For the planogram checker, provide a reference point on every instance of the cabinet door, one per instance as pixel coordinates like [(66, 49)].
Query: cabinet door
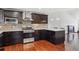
[(37, 35), (43, 34), (17, 37), (35, 18), (6, 38), (43, 18), (51, 36), (1, 16)]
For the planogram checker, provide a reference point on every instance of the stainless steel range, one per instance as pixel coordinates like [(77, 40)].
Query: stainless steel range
[(28, 35)]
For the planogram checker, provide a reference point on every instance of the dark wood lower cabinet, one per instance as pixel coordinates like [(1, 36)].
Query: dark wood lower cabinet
[(50, 36), (13, 37), (37, 35), (43, 34), (40, 35)]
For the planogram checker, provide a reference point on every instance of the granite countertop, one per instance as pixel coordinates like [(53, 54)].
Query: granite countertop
[(56, 29), (8, 30), (53, 29)]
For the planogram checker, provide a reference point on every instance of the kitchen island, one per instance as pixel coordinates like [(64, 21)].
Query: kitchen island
[(56, 36)]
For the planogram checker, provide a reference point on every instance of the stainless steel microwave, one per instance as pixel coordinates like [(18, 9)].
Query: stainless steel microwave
[(11, 20)]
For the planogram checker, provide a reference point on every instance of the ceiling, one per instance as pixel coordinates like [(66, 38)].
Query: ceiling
[(42, 10)]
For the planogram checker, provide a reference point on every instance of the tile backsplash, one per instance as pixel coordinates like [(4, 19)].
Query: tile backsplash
[(40, 26), (10, 27), (19, 26)]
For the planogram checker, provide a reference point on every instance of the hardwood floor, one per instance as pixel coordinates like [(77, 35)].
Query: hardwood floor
[(41, 45)]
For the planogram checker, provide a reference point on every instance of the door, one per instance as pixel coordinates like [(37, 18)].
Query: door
[(71, 29)]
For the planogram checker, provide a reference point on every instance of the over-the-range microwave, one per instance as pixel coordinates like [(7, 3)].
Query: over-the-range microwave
[(11, 20)]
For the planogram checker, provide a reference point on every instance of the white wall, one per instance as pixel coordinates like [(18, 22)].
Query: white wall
[(66, 18)]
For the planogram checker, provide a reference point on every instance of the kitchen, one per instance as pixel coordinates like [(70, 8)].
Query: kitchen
[(39, 29), (27, 26)]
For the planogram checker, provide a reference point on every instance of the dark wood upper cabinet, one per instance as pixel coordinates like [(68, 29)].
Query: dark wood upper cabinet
[(12, 14), (39, 18)]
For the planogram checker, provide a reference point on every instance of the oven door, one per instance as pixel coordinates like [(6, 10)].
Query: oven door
[(28, 37)]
